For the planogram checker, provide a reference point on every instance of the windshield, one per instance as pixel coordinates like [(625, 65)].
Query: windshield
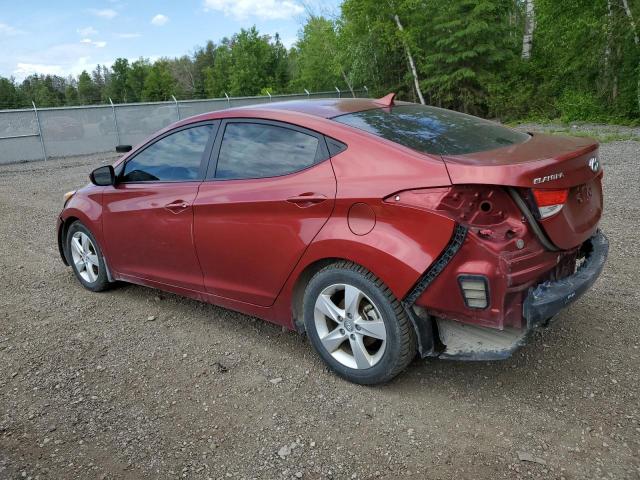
[(433, 130)]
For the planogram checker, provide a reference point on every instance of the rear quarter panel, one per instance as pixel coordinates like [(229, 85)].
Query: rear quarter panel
[(400, 242)]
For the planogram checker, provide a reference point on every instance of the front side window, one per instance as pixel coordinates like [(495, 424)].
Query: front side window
[(176, 157), (433, 130), (255, 150)]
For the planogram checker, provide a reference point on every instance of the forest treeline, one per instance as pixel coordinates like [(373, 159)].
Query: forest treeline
[(506, 59)]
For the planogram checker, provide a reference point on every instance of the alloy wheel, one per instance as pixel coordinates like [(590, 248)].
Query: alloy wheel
[(85, 257), (350, 326)]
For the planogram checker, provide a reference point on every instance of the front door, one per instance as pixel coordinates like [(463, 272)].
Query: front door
[(148, 214), (267, 197)]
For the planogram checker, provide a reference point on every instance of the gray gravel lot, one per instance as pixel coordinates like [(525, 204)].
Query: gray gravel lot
[(134, 383)]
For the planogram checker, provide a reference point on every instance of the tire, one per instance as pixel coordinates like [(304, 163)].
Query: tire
[(85, 258), (364, 337)]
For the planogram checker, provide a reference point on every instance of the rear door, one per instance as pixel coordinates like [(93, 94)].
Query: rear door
[(269, 190), (148, 214)]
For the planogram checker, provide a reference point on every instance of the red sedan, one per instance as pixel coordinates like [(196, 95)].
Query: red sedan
[(381, 229)]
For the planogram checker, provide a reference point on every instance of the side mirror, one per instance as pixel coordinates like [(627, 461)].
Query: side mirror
[(123, 148), (103, 176)]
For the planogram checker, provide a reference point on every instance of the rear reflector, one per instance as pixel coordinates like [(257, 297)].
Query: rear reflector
[(550, 202), (474, 290)]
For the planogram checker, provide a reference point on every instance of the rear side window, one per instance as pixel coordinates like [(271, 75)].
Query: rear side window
[(173, 158), (255, 150), (433, 130)]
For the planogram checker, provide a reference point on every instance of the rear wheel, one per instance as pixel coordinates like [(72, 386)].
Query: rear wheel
[(85, 258), (357, 325)]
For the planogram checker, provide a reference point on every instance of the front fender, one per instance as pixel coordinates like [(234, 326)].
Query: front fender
[(85, 206)]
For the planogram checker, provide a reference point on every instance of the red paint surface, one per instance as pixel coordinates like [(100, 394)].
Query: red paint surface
[(362, 218), (244, 244), (249, 237)]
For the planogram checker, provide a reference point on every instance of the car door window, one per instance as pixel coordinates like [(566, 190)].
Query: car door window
[(257, 150), (176, 157)]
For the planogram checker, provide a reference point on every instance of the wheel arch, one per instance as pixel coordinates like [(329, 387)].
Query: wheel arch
[(299, 287), (63, 228), (94, 226)]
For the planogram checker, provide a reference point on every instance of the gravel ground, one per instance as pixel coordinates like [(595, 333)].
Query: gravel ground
[(134, 383)]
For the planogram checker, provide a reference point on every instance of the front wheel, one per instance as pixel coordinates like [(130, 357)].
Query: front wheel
[(356, 324), (85, 258)]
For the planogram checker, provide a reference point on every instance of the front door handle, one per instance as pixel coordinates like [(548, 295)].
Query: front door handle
[(177, 206), (307, 199)]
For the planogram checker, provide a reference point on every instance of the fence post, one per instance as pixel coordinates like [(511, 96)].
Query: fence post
[(339, 94), (115, 121), (366, 90), (307, 92), (177, 106), (44, 150), (228, 100)]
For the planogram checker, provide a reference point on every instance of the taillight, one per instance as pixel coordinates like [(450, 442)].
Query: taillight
[(550, 202)]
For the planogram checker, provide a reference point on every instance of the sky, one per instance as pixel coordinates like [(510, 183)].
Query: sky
[(64, 37)]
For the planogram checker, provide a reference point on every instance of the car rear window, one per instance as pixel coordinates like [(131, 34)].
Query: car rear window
[(433, 130)]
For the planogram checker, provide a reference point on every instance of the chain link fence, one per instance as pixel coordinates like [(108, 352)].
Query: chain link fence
[(42, 133)]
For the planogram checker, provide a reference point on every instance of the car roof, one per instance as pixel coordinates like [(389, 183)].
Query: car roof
[(324, 107)]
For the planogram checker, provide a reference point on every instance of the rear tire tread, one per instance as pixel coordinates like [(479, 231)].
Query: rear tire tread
[(408, 341)]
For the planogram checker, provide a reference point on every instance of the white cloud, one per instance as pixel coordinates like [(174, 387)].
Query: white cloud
[(98, 44), (159, 20), (107, 13), (9, 31), (87, 31), (264, 9), (127, 35), (25, 69), (62, 59)]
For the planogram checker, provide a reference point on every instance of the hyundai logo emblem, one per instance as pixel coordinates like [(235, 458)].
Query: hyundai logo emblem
[(594, 164)]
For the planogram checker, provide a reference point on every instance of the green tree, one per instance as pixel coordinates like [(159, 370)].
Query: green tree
[(469, 46), (280, 66), (9, 94), (317, 66), (249, 71), (119, 89), (370, 49), (88, 91), (203, 59), (159, 84), (136, 78)]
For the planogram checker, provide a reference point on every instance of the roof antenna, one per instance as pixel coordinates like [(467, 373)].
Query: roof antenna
[(387, 100)]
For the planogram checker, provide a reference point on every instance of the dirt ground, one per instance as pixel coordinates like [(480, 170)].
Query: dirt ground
[(134, 383)]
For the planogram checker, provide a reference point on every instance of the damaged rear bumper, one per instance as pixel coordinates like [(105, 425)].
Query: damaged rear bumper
[(547, 299), (472, 342)]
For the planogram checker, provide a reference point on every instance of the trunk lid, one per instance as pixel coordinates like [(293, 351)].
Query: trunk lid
[(543, 162)]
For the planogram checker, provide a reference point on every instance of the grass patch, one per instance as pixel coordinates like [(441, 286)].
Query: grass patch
[(602, 137)]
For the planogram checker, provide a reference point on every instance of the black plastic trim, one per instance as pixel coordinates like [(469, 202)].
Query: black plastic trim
[(535, 226), (457, 239), (423, 327), (548, 298), (335, 146)]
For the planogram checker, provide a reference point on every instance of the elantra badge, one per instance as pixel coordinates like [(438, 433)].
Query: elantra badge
[(594, 164), (548, 178)]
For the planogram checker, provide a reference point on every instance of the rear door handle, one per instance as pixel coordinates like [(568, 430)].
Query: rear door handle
[(307, 199), (177, 206)]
